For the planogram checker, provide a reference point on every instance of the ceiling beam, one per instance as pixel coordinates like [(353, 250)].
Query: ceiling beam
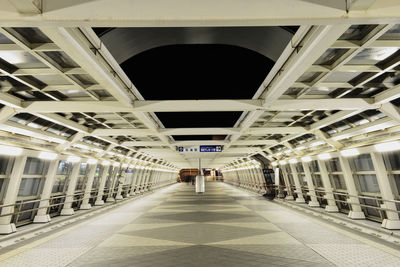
[(199, 105), (196, 13), (197, 131)]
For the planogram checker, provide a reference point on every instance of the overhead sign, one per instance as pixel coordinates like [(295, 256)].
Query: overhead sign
[(210, 148), (188, 149), (197, 149)]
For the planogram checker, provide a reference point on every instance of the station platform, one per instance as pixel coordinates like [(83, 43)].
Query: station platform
[(226, 226)]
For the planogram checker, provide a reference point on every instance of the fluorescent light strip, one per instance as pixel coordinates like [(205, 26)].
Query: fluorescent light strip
[(73, 159), (324, 156), (10, 150), (47, 155), (92, 161), (350, 152), (385, 147)]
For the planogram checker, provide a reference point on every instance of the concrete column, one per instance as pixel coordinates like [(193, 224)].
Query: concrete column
[(331, 207), (114, 177), (392, 222), (142, 182), (41, 215), (132, 191), (67, 210), (277, 171), (256, 182), (139, 180), (147, 180), (128, 181), (85, 203), (314, 202), (103, 179), (120, 185), (6, 227), (289, 195), (356, 211), (299, 191)]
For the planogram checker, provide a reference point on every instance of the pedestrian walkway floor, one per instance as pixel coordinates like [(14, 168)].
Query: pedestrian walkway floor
[(225, 226)]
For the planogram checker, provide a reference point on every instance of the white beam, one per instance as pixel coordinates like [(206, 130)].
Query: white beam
[(130, 132), (254, 142), (199, 105), (377, 125), (10, 100), (76, 45), (198, 131), (276, 130), (142, 13), (199, 143), (316, 42), (27, 6), (391, 111), (143, 143)]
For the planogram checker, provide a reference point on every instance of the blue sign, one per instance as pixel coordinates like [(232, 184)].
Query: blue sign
[(180, 149), (210, 148)]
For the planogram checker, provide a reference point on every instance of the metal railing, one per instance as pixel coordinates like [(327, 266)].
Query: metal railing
[(321, 194)]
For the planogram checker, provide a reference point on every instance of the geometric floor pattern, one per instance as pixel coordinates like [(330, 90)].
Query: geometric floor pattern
[(223, 227)]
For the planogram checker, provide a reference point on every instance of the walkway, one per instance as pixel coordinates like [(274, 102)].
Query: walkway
[(224, 227)]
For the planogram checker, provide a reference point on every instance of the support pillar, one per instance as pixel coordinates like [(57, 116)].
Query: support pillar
[(103, 179), (311, 188), (114, 177), (120, 185), (88, 189), (392, 222), (331, 207), (67, 209), (299, 191), (6, 227), (289, 195), (42, 216), (356, 211)]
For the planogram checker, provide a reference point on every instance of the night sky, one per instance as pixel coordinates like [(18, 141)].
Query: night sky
[(205, 71)]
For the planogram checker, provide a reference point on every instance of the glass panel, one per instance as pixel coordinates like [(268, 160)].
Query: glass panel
[(3, 164), (29, 187), (34, 166), (62, 168), (299, 167), (337, 181), (83, 168), (362, 163), (80, 185), (368, 183), (314, 166), (334, 165), (396, 178), (393, 161), (317, 180), (58, 185)]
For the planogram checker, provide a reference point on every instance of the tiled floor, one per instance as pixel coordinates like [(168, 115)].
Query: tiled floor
[(224, 227)]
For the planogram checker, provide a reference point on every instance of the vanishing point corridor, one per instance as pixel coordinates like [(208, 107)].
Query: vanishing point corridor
[(225, 226)]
